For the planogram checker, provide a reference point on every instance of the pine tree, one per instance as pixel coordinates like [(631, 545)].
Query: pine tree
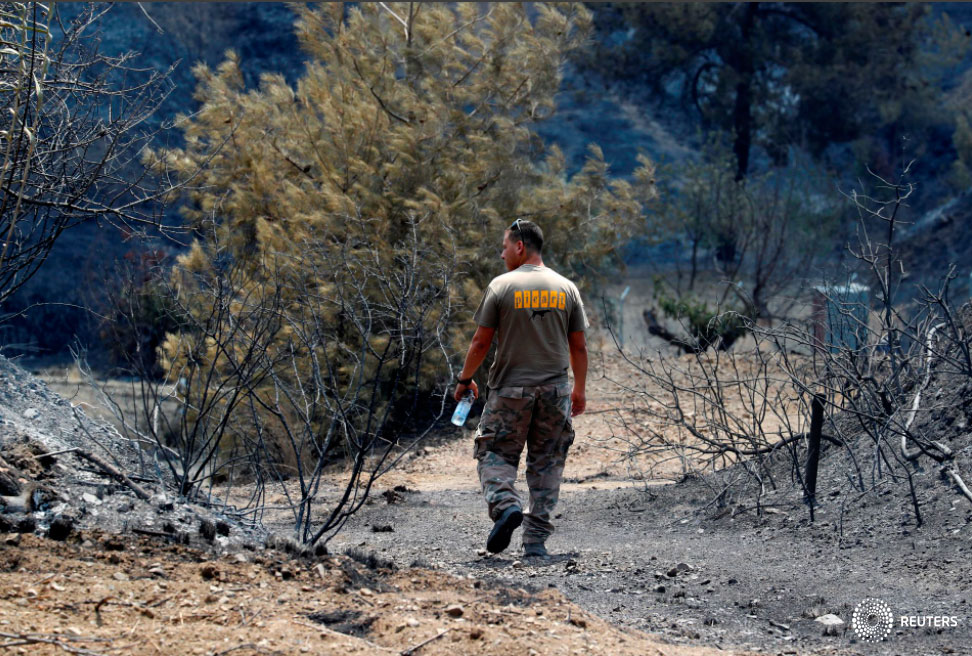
[(366, 205)]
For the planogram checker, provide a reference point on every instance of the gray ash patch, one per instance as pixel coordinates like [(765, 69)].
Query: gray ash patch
[(48, 488)]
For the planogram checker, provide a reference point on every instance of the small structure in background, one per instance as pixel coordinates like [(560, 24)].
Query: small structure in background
[(624, 295), (840, 316), (616, 306)]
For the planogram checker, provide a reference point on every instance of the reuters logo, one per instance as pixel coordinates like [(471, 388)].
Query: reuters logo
[(872, 620)]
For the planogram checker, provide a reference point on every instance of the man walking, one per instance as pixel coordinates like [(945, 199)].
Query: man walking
[(539, 321)]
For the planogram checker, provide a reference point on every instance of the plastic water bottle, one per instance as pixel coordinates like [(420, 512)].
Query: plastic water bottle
[(462, 410)]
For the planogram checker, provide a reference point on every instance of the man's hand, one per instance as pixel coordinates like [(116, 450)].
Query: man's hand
[(578, 402), (461, 390)]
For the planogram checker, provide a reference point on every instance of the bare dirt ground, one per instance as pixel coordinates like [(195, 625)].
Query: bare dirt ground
[(96, 595)]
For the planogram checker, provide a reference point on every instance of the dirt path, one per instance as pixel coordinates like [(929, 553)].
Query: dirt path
[(753, 583)]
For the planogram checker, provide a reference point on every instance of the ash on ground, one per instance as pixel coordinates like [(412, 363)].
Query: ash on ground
[(59, 477)]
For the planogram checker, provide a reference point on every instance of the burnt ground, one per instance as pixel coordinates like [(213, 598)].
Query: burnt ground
[(750, 578), (753, 582)]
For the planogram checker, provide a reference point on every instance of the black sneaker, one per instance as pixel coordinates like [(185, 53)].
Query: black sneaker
[(535, 550), (499, 537)]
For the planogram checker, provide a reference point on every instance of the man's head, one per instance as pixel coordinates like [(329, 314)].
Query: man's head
[(521, 241)]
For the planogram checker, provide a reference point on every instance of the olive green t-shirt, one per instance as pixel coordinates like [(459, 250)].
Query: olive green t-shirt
[(532, 308)]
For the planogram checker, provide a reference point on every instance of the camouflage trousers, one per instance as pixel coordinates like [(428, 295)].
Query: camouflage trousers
[(538, 417)]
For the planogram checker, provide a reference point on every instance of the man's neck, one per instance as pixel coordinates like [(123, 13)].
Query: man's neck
[(535, 260)]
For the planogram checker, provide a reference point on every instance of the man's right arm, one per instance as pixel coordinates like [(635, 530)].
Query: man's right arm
[(478, 349), (578, 364), (487, 318)]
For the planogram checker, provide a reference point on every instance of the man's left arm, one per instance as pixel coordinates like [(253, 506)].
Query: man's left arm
[(478, 349), (578, 364)]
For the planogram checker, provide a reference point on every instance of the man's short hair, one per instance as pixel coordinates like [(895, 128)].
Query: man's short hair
[(529, 233)]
